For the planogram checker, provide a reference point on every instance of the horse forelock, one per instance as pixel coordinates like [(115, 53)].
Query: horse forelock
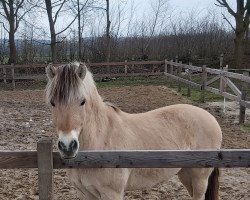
[(67, 86)]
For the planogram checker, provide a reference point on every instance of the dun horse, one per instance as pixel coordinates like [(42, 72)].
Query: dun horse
[(84, 121)]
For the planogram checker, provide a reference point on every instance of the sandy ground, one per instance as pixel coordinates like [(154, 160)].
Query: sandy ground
[(24, 118)]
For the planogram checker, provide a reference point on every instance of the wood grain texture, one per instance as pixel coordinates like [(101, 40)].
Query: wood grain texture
[(160, 159), (45, 169), (134, 159), (18, 159)]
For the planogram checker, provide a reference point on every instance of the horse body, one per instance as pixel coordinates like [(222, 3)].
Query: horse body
[(101, 126)]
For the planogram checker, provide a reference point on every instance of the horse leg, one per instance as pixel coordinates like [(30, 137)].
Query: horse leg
[(185, 178), (199, 179), (109, 194), (84, 194)]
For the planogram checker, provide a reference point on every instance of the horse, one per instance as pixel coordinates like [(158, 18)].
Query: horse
[(83, 121)]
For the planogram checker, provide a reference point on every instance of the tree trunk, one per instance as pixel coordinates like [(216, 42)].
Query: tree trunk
[(108, 32), (239, 51), (12, 45), (239, 42), (53, 47), (79, 31), (52, 30), (247, 46)]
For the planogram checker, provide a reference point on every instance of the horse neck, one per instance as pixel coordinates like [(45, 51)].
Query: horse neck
[(94, 128)]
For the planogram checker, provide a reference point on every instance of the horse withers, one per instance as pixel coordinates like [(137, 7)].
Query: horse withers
[(84, 121)]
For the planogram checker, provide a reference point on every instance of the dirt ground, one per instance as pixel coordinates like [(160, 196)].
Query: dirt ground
[(24, 118)]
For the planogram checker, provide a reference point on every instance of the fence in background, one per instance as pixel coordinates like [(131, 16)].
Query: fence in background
[(46, 160), (9, 72), (175, 70)]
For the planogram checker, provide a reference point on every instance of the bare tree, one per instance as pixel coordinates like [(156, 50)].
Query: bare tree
[(242, 19), (14, 12), (80, 8), (53, 10), (108, 31)]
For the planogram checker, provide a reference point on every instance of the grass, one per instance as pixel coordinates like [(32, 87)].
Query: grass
[(159, 80), (135, 81), (246, 126), (126, 81)]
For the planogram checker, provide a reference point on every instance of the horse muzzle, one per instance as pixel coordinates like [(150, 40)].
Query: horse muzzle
[(70, 150)]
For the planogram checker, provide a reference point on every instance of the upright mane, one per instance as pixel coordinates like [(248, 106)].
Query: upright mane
[(68, 83)]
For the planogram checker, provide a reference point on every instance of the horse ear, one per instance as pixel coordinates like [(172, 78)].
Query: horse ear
[(81, 70), (50, 71)]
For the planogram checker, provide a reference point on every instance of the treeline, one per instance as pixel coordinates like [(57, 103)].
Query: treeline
[(97, 31)]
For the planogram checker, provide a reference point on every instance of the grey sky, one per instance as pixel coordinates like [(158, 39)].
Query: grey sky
[(143, 11)]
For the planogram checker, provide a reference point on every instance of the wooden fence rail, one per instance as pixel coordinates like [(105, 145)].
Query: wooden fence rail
[(46, 160), (13, 77), (222, 75), (173, 70), (225, 158)]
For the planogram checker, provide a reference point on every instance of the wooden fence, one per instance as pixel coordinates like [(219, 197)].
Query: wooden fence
[(173, 70), (13, 76), (46, 160)]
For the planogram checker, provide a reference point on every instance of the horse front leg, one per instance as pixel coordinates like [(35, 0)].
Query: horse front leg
[(110, 194), (85, 195)]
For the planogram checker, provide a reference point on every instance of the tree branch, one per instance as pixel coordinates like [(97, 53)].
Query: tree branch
[(247, 16), (224, 17), (5, 9), (4, 16), (19, 5), (57, 12), (71, 22), (224, 3), (4, 27), (67, 26)]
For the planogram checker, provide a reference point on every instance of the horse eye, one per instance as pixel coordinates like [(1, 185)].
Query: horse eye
[(82, 103), (52, 103)]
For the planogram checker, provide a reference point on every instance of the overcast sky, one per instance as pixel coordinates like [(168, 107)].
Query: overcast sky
[(143, 10)]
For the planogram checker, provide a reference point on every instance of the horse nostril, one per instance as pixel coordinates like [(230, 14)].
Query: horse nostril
[(73, 145), (61, 146)]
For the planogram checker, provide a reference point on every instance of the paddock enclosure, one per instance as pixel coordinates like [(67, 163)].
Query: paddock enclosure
[(25, 119)]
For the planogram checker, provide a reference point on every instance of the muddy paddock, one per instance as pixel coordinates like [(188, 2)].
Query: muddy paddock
[(24, 118)]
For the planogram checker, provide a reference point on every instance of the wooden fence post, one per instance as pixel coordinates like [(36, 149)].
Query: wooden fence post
[(13, 76), (4, 75), (222, 82), (203, 84), (175, 68), (243, 97), (171, 67), (45, 169), (179, 69), (221, 61), (166, 70), (133, 70), (190, 79), (176, 59), (126, 68)]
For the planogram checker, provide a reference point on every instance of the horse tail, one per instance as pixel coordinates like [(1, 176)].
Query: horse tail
[(212, 192)]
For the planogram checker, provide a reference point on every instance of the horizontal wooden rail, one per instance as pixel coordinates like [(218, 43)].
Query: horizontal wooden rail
[(246, 104), (128, 74), (126, 63), (104, 64), (225, 158), (229, 74), (193, 84)]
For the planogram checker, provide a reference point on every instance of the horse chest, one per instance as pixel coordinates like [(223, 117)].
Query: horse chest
[(146, 178)]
